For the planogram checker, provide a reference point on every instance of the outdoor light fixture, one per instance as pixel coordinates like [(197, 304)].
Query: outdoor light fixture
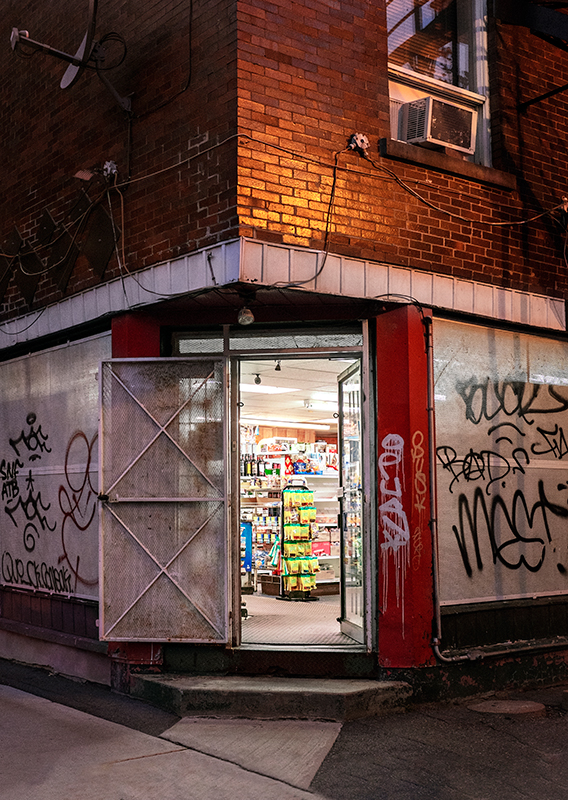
[(245, 317), (277, 368), (257, 379)]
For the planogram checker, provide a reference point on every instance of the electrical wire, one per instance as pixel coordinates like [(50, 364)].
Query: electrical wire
[(80, 222), (452, 214), (328, 218), (122, 264), (390, 175), (23, 330), (378, 167), (109, 37)]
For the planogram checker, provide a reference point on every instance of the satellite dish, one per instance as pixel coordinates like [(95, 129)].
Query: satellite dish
[(83, 53), (88, 51)]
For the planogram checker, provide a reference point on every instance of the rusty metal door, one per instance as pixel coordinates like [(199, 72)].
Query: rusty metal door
[(163, 479)]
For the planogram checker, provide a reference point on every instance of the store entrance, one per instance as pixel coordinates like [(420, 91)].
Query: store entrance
[(300, 501)]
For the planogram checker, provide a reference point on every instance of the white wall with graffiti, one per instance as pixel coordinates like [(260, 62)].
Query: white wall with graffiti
[(501, 402), (48, 468)]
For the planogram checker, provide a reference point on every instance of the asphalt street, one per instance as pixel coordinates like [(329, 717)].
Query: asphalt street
[(67, 739)]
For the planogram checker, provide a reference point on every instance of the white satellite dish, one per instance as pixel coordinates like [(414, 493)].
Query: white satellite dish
[(88, 51), (84, 52)]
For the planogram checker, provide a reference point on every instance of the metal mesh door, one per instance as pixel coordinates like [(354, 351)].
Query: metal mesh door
[(163, 485)]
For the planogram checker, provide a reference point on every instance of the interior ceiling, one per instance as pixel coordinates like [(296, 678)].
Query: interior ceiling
[(314, 385)]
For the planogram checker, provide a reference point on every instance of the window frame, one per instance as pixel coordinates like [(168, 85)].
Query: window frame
[(406, 85)]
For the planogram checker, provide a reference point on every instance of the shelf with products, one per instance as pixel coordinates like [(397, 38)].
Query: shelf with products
[(266, 466), (329, 570)]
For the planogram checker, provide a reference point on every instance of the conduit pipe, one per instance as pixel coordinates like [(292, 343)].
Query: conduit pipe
[(479, 653)]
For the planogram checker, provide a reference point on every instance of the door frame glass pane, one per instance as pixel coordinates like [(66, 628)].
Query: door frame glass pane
[(350, 442)]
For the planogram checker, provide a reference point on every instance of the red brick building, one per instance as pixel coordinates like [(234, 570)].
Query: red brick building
[(253, 247)]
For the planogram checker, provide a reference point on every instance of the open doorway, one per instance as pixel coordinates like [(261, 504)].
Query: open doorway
[(300, 501)]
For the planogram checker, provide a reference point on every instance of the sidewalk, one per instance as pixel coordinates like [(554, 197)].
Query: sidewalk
[(54, 752), (71, 740)]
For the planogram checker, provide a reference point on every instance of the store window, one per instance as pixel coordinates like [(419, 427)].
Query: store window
[(501, 403), (49, 463), (437, 49)]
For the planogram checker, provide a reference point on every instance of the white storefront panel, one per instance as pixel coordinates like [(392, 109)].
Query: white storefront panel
[(49, 467), (502, 463)]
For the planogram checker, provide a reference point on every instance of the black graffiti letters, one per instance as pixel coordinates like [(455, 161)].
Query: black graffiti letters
[(485, 465), (507, 528), (554, 443), (34, 441), (32, 507), (485, 400), (38, 575), (507, 499), (9, 475), (31, 518)]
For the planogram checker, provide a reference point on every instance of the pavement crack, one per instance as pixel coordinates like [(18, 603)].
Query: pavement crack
[(149, 755)]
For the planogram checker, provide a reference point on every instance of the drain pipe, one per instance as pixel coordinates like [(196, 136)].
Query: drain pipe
[(437, 638)]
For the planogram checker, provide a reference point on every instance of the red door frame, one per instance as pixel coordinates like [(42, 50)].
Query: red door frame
[(406, 607)]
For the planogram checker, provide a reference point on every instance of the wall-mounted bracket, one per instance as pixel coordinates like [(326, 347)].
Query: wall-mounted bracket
[(88, 54)]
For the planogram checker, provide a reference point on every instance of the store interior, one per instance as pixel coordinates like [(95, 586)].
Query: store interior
[(289, 508)]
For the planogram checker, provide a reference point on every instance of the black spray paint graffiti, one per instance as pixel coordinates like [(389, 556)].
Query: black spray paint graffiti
[(9, 471), (516, 550), (38, 575), (33, 508), (33, 440), (487, 399), (28, 510), (516, 523)]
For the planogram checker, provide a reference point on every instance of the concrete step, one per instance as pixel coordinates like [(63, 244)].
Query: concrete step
[(262, 697)]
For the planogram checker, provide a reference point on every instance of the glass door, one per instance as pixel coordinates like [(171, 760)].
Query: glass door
[(351, 503)]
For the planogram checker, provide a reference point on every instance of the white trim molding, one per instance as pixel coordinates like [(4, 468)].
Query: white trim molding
[(264, 264)]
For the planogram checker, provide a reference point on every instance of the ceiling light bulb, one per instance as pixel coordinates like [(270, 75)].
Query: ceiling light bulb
[(245, 317)]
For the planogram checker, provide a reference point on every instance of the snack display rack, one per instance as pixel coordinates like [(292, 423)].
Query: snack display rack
[(298, 565)]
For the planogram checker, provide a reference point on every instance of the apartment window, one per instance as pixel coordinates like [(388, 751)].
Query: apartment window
[(437, 49)]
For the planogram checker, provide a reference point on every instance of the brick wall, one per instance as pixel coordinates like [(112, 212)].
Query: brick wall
[(307, 87), (180, 70), (295, 79)]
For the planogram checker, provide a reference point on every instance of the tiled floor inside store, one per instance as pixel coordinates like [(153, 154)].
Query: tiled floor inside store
[(274, 621)]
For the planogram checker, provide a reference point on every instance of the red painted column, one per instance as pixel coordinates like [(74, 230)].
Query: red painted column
[(135, 336), (406, 608)]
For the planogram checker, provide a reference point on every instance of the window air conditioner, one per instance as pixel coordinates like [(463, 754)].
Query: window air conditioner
[(438, 122)]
